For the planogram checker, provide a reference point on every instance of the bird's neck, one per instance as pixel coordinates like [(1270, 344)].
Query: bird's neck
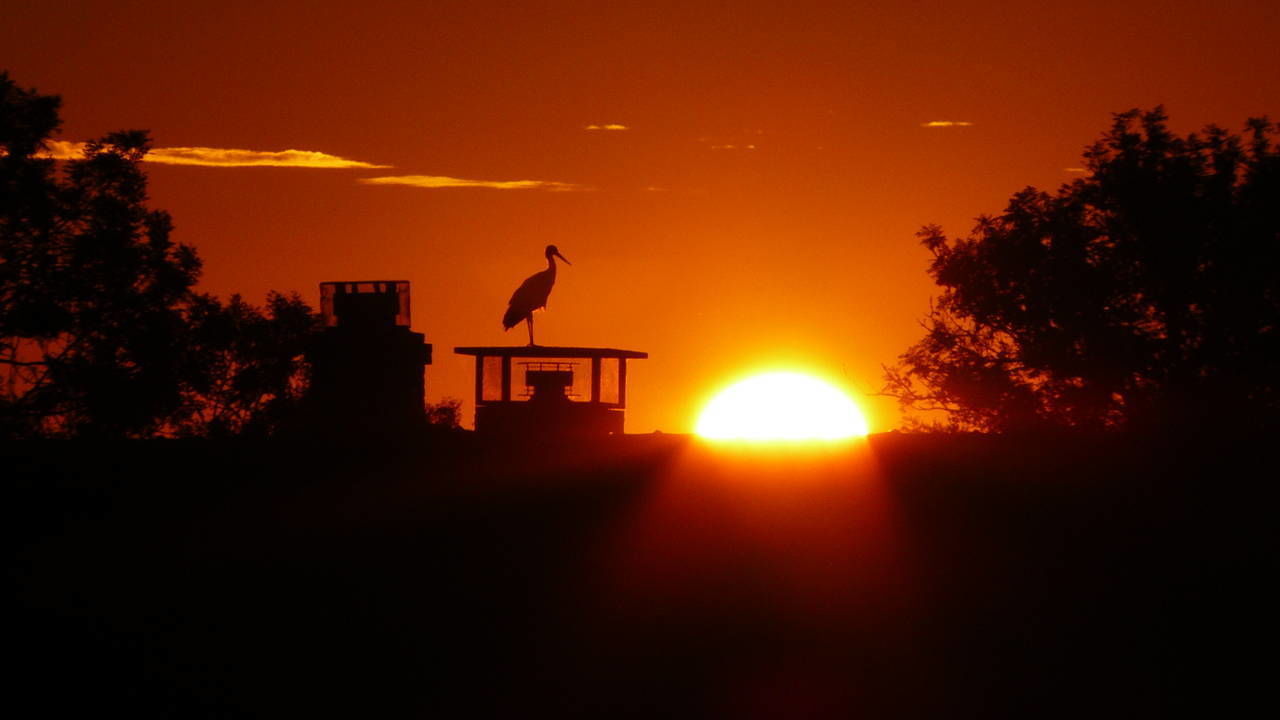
[(551, 263)]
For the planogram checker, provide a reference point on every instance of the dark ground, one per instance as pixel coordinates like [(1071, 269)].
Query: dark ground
[(924, 576)]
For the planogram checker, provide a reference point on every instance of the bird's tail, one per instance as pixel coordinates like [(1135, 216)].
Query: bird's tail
[(511, 319)]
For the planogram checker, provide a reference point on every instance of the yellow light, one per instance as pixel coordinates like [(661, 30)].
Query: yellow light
[(781, 406)]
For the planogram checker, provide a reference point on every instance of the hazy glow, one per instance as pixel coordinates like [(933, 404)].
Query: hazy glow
[(443, 181), (946, 123), (781, 406), (221, 157), (608, 126)]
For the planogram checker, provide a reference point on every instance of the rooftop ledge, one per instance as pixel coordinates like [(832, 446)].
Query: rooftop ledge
[(550, 351)]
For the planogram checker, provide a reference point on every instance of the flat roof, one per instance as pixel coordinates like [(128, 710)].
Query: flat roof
[(549, 351)]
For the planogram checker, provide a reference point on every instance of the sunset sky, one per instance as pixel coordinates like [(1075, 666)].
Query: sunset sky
[(737, 184)]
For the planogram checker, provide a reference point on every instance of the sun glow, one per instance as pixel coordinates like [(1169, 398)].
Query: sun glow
[(781, 406)]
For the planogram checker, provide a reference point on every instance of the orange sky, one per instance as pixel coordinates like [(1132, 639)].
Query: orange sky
[(757, 210)]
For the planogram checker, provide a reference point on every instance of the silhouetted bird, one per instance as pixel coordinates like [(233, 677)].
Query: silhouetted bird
[(532, 294)]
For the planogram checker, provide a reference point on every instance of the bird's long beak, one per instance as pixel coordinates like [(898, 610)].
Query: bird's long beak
[(565, 259)]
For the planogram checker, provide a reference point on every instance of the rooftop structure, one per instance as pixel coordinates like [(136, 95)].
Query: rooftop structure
[(367, 366), (522, 391)]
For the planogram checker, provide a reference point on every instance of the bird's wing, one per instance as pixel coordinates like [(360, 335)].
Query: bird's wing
[(531, 295), (534, 289), (512, 318), (523, 291)]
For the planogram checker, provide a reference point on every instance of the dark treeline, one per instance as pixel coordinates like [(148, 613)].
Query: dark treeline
[(101, 331), (1146, 293)]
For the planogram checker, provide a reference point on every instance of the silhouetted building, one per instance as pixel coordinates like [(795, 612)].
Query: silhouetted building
[(367, 366), (523, 391)]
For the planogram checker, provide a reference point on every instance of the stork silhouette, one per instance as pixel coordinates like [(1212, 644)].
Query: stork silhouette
[(532, 294)]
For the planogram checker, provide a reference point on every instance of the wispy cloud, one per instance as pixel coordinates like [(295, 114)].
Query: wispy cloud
[(63, 150), (1075, 170), (732, 147), (223, 157), (946, 123), (443, 181), (608, 126)]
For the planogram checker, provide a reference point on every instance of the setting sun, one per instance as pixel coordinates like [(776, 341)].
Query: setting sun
[(781, 406)]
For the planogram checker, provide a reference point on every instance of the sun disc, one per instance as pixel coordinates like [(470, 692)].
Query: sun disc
[(781, 406)]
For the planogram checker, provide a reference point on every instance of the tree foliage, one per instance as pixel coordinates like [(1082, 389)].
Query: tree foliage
[(446, 414), (91, 286), (101, 333), (247, 375), (1146, 292)]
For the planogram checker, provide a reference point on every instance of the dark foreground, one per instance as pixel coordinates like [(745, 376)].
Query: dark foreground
[(648, 576)]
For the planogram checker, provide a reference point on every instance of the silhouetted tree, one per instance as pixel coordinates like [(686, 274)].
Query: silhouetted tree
[(1146, 292), (245, 372), (100, 331), (446, 414), (91, 287)]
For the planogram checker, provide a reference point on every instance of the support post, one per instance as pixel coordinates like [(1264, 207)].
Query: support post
[(506, 378), (595, 380), (622, 382)]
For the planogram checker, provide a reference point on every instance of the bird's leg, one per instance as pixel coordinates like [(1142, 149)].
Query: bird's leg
[(529, 322)]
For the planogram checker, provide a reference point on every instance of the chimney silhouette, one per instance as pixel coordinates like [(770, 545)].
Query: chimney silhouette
[(367, 366)]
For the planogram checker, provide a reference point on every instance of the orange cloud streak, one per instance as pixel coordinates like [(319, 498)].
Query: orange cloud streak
[(222, 157), (442, 181)]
